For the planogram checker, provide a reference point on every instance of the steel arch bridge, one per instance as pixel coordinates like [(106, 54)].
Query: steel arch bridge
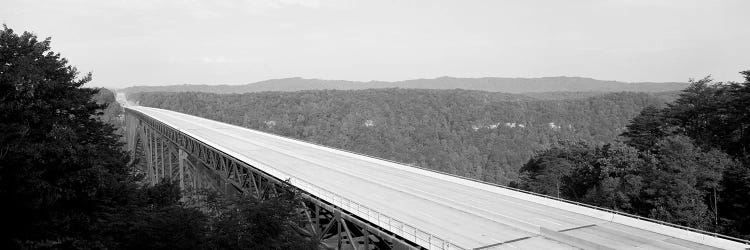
[(169, 154), (360, 202)]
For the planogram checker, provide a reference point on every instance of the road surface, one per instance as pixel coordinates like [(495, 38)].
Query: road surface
[(467, 214)]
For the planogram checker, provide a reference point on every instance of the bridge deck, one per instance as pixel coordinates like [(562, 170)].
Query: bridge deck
[(469, 215)]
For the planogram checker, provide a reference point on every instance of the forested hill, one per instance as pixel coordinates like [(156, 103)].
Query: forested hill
[(472, 133), (492, 84)]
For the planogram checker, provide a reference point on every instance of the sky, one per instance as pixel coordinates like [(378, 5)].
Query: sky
[(164, 42)]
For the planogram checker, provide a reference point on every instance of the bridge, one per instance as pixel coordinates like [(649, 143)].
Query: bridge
[(353, 201)]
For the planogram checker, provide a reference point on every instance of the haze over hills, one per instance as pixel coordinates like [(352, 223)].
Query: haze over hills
[(492, 84)]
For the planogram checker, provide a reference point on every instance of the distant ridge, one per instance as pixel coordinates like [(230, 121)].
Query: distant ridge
[(492, 84)]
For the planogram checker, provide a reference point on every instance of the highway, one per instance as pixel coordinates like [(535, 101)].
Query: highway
[(468, 214)]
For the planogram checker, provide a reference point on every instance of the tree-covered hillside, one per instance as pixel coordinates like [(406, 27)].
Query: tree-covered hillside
[(476, 134)]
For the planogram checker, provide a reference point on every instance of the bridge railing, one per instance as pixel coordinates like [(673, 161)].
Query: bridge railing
[(382, 220), (614, 212), (703, 232)]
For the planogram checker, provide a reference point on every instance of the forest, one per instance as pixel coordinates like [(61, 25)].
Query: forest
[(482, 135), (686, 163)]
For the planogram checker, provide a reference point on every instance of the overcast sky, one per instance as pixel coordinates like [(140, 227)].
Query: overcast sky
[(154, 42)]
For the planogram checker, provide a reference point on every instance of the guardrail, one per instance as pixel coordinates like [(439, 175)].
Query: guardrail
[(420, 237), (707, 233)]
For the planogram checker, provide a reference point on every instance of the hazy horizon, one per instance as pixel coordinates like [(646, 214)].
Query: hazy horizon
[(168, 42), (393, 81)]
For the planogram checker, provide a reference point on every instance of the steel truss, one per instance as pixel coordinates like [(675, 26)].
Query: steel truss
[(172, 155)]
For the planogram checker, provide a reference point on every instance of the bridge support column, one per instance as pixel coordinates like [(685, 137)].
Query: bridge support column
[(169, 162), (155, 159), (337, 218), (149, 155), (153, 170), (181, 159), (366, 238), (160, 153), (161, 156)]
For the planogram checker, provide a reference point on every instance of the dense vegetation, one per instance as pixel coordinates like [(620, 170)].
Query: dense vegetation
[(65, 182), (476, 134), (687, 163)]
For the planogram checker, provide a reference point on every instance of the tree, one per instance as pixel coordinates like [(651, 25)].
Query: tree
[(56, 158), (674, 180), (64, 179), (736, 183), (733, 201), (151, 218), (681, 185), (248, 223), (715, 116), (646, 128), (700, 111), (620, 181), (562, 171)]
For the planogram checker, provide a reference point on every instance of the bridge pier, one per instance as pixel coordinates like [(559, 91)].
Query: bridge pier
[(181, 159)]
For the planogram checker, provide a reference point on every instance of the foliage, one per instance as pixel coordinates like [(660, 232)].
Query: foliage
[(64, 178), (248, 223), (56, 158), (672, 181), (113, 113), (686, 163), (555, 172), (646, 129), (482, 135), (717, 115), (679, 187)]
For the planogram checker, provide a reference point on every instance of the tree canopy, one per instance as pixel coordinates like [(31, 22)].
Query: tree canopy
[(685, 163), (57, 159), (65, 182)]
